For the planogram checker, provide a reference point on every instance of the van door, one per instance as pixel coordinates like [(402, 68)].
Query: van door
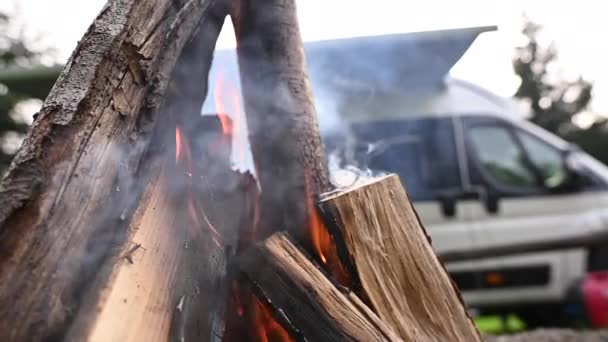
[(529, 177), (423, 153)]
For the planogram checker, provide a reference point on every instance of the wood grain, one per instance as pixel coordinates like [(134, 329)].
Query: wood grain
[(312, 304), (398, 270), (67, 199), (282, 120)]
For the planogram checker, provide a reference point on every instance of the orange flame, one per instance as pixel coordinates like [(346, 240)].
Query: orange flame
[(194, 214), (227, 99), (321, 239), (178, 143), (239, 124), (268, 329), (220, 108), (226, 123), (183, 151), (237, 298)]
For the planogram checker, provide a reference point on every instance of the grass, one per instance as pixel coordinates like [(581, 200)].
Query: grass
[(497, 325)]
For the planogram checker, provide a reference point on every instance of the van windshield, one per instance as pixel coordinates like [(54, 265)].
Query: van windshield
[(421, 151)]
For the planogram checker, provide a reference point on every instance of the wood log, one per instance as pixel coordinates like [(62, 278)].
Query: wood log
[(171, 259), (63, 222), (283, 129), (282, 121), (306, 301), (398, 271)]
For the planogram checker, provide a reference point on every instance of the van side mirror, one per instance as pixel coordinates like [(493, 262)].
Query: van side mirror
[(448, 206), (448, 199), (491, 203), (574, 177)]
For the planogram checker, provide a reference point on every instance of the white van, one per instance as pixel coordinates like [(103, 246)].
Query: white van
[(480, 175)]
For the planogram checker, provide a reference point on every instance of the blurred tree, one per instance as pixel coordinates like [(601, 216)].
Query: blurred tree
[(13, 54), (555, 101)]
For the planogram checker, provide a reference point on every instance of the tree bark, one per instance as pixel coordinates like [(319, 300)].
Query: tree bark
[(398, 270), (67, 200), (171, 259), (314, 308), (282, 121)]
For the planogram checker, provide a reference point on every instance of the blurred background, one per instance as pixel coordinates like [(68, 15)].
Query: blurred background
[(562, 41), (548, 56)]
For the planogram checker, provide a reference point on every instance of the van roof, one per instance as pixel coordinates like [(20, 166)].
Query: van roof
[(389, 61), (455, 98), (386, 62)]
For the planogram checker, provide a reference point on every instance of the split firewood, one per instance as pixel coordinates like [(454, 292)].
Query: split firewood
[(399, 273), (183, 234), (304, 299)]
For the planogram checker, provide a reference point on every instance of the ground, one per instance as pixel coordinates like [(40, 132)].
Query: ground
[(553, 335)]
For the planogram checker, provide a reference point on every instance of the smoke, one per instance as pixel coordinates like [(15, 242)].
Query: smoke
[(349, 175)]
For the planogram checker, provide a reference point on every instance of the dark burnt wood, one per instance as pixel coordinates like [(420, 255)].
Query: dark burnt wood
[(304, 299)]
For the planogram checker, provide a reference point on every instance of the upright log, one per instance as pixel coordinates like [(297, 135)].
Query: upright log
[(314, 308), (283, 127), (399, 273), (67, 200)]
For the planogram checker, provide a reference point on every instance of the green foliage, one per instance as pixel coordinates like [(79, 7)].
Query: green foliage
[(13, 53), (495, 325), (555, 101)]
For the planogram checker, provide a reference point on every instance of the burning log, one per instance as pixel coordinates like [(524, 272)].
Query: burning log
[(98, 241), (283, 127), (398, 271), (287, 150), (78, 241), (306, 301), (182, 234)]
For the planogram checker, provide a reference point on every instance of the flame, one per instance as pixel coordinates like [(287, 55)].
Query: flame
[(226, 123), (253, 320), (226, 96), (194, 214), (239, 124), (267, 327), (220, 108), (217, 94), (197, 213), (237, 298), (178, 143), (321, 239)]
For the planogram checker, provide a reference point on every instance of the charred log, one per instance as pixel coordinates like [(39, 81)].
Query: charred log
[(305, 299), (67, 203), (283, 127)]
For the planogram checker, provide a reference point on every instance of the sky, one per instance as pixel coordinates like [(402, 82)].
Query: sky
[(574, 26)]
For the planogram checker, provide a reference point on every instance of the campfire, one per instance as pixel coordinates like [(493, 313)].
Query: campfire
[(125, 218)]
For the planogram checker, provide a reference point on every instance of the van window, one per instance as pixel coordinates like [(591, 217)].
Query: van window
[(547, 159), (422, 152), (501, 156)]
